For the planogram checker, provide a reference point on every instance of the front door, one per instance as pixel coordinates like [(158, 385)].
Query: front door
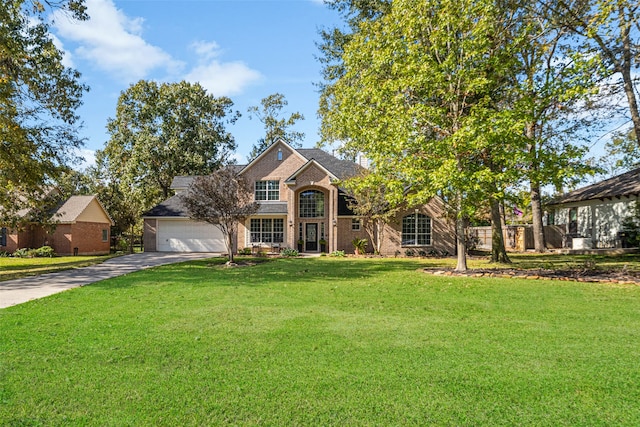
[(311, 240)]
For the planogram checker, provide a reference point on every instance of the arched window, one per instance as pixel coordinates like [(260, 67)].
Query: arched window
[(416, 230), (311, 204)]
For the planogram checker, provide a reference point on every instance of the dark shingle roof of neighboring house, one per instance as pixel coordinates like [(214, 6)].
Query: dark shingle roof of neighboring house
[(342, 169), (626, 184)]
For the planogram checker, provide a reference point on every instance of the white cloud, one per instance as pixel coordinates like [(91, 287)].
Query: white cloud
[(219, 78), (223, 79), (87, 158), (113, 42)]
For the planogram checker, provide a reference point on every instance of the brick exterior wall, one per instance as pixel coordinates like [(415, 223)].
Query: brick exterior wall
[(442, 232), (149, 235), (86, 236)]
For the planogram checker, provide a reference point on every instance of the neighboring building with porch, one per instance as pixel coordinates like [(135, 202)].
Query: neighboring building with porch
[(592, 216), (300, 201)]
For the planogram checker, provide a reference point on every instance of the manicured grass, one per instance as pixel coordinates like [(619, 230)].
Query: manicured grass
[(322, 342), (551, 261), (15, 268)]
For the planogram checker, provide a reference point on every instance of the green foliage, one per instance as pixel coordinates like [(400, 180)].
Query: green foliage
[(337, 254), (360, 245), (244, 251), (44, 251), (289, 252), (39, 97), (623, 152), (275, 127), (376, 200), (161, 131), (41, 252), (21, 253)]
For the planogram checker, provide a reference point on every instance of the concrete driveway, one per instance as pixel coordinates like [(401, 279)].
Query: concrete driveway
[(17, 291)]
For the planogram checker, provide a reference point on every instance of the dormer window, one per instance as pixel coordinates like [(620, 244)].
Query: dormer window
[(279, 154), (267, 190)]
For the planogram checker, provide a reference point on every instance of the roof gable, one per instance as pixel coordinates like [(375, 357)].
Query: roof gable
[(279, 144), (81, 208)]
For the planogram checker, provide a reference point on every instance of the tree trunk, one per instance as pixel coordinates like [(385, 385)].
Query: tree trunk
[(379, 235), (633, 103), (536, 209), (461, 244), (536, 201), (498, 250)]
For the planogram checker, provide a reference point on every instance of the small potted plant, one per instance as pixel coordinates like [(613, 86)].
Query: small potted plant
[(323, 245), (300, 245)]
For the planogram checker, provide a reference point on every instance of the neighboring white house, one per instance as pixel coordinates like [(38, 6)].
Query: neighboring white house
[(592, 216)]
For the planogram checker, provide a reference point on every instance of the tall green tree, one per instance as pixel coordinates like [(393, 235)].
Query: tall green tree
[(276, 127), (416, 97), (610, 31), (164, 130), (554, 90), (38, 101)]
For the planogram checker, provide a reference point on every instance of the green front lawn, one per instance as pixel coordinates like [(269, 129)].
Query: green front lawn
[(322, 341), (15, 268)]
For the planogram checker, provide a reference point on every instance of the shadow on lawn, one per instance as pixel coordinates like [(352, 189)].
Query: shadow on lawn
[(263, 271)]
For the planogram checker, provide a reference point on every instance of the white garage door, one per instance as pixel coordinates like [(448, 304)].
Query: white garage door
[(189, 236)]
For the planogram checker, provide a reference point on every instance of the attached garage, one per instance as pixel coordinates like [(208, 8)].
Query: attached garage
[(184, 235)]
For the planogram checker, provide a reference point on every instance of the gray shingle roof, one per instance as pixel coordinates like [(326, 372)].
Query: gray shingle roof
[(626, 184), (272, 208), (342, 169), (172, 207), (71, 209)]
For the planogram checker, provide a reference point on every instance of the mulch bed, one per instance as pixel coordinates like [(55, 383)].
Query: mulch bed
[(592, 276)]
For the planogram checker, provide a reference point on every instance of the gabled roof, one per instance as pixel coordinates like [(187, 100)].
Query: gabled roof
[(341, 169), (71, 209), (626, 184), (268, 149)]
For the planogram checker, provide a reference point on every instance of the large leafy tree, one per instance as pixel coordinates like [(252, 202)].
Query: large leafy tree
[(610, 31), (553, 91), (276, 127), (38, 100), (164, 130), (223, 199), (417, 96)]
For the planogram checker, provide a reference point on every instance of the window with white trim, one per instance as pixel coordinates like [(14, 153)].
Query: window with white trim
[(267, 230), (356, 224), (267, 190), (416, 230), (311, 204)]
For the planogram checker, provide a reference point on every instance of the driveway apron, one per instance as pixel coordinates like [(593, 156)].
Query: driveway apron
[(17, 291)]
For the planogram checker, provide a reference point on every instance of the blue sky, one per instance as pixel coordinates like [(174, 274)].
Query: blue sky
[(243, 49)]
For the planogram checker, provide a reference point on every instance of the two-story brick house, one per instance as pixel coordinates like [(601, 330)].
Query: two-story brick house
[(300, 201)]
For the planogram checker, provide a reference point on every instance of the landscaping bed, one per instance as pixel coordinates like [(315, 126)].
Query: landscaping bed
[(594, 276)]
